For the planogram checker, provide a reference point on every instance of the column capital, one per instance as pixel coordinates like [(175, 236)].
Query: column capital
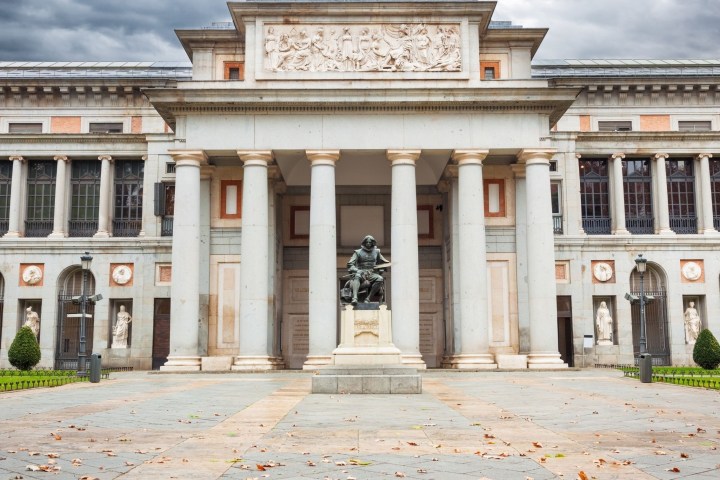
[(469, 157), (518, 170), (61, 158), (403, 157), (207, 172), (256, 157), (530, 156), (19, 158), (664, 156), (188, 157), (621, 156), (700, 156), (108, 158), (323, 157)]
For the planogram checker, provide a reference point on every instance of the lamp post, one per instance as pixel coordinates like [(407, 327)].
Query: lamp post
[(85, 263), (645, 360)]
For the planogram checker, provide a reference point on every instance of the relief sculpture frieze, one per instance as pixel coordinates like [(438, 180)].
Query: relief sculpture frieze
[(362, 48)]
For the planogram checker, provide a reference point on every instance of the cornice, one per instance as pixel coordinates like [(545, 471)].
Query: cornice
[(82, 139), (647, 136)]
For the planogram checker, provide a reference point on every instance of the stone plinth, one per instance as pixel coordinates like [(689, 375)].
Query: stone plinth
[(388, 379), (216, 364), (366, 338), (511, 361)]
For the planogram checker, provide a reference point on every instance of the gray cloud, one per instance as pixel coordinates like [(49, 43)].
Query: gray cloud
[(142, 30)]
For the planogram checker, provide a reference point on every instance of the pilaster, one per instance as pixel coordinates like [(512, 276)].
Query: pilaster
[(16, 191), (618, 196), (663, 213), (708, 223), (104, 200), (61, 193)]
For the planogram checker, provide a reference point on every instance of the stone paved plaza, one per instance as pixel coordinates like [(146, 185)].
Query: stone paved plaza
[(485, 425)]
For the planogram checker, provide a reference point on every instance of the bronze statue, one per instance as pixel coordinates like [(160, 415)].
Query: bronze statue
[(366, 267)]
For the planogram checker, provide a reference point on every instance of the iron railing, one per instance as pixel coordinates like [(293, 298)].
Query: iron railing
[(683, 225), (126, 228), (597, 226), (166, 227), (82, 228), (640, 225), (657, 336), (557, 224), (716, 222), (38, 228)]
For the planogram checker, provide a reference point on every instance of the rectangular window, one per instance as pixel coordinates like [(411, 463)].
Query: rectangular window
[(695, 126), (5, 188), (615, 126), (40, 198), (637, 188), (25, 128), (556, 202), (594, 196), (128, 203), (234, 71), (105, 127), (165, 207), (681, 195), (715, 190), (489, 70), (230, 199), (85, 198), (494, 197)]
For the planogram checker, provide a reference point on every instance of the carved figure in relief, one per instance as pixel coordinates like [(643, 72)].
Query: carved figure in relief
[(121, 328), (693, 323), (347, 52), (366, 267), (604, 323), (271, 49), (32, 320), (364, 59)]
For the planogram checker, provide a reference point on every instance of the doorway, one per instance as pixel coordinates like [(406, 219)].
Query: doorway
[(67, 345), (161, 332), (565, 330)]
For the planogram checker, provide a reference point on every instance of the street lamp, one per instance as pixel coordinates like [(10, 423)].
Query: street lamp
[(85, 263), (645, 360)]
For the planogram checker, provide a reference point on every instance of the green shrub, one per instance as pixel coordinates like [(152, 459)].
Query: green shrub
[(707, 350), (24, 352)]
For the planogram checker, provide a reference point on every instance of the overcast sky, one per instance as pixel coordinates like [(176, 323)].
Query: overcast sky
[(142, 30)]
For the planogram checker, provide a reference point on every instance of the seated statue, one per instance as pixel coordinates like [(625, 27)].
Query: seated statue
[(366, 283)]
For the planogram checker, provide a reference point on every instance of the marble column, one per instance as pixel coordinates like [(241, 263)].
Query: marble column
[(474, 336), (663, 213), (15, 197), (61, 183), (323, 301), (453, 330), (618, 196), (185, 293), (542, 292), (708, 224), (104, 200), (405, 281), (521, 242), (255, 346)]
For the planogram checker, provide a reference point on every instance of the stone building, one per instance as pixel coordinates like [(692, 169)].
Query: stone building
[(222, 199)]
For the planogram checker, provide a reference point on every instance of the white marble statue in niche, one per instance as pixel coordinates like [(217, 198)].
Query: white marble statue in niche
[(363, 48), (604, 323), (121, 328), (32, 320), (693, 323)]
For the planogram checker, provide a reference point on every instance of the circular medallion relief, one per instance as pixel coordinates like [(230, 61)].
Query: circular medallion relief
[(692, 271), (121, 274), (602, 271), (32, 275)]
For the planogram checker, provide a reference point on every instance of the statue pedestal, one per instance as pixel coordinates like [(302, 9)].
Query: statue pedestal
[(604, 343), (366, 361)]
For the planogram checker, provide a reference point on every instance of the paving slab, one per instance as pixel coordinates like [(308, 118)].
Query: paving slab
[(465, 425)]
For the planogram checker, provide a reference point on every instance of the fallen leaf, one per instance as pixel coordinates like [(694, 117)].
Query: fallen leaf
[(537, 444), (421, 470), (53, 455), (674, 470), (684, 455), (412, 444), (56, 436), (660, 452), (260, 467), (582, 475), (311, 464), (400, 474)]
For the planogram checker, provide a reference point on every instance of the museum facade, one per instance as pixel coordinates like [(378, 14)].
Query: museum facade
[(222, 199)]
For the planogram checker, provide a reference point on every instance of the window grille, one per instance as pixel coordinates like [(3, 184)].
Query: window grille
[(127, 218), (556, 202), (715, 191), (5, 188), (84, 205), (615, 126), (594, 196), (637, 187), (681, 195), (40, 198)]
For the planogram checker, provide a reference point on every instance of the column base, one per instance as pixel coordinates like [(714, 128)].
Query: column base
[(12, 235), (545, 361), (101, 235), (316, 361), (254, 363), (709, 232), (667, 232), (56, 235), (413, 360), (177, 363), (621, 232), (480, 361)]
